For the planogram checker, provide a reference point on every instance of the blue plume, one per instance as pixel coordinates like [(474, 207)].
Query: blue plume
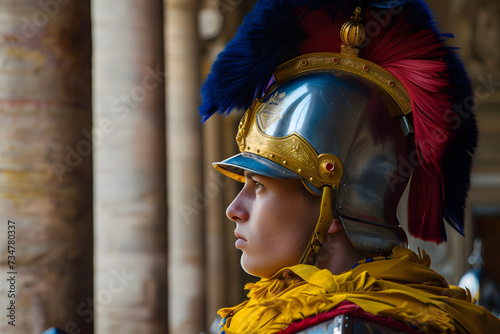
[(270, 34), (457, 162)]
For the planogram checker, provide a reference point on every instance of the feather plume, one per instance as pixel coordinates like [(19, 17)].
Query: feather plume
[(269, 35), (403, 39), (436, 81)]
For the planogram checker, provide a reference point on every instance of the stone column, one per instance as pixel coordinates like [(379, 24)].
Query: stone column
[(45, 166), (130, 186), (186, 198)]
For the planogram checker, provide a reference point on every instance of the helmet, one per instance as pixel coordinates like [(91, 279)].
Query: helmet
[(331, 128), (352, 130)]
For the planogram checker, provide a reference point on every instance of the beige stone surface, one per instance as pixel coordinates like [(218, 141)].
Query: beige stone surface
[(186, 201), (45, 163), (129, 150)]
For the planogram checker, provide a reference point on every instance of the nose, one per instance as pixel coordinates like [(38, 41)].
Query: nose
[(236, 211)]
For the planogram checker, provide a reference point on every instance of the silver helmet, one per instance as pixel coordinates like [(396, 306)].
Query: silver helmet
[(334, 129), (353, 118)]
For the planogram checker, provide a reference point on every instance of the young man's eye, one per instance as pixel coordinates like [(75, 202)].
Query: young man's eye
[(252, 182), (256, 185)]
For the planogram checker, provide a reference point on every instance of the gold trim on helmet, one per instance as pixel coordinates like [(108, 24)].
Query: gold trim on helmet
[(292, 152), (346, 63)]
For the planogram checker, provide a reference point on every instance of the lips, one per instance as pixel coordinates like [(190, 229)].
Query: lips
[(240, 241), (238, 235)]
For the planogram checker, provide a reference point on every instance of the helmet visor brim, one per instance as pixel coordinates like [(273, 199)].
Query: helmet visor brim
[(235, 166)]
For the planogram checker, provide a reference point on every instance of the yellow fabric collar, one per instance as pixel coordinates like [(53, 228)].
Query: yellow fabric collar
[(402, 287)]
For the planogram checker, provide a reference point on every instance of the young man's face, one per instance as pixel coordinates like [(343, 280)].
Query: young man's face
[(274, 222)]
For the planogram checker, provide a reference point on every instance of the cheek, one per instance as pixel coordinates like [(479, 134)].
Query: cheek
[(280, 230), (300, 217), (301, 222), (273, 220), (286, 229)]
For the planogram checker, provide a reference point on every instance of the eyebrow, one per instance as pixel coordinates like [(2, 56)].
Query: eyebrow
[(252, 175), (248, 174)]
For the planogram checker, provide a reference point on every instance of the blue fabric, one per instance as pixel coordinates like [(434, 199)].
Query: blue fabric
[(54, 330)]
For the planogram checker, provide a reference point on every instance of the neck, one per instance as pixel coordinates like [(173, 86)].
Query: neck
[(338, 254)]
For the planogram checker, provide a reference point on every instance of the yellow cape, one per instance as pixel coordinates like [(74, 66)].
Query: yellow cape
[(402, 287)]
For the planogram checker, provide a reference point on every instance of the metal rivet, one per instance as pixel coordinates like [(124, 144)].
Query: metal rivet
[(299, 170), (303, 62), (272, 155), (311, 179), (285, 162)]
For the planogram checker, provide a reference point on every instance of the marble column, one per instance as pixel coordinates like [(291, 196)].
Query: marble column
[(130, 186), (186, 197), (45, 166)]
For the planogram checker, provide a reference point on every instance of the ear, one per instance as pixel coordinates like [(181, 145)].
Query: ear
[(336, 226)]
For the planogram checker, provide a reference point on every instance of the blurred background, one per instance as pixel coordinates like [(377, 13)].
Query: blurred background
[(114, 216)]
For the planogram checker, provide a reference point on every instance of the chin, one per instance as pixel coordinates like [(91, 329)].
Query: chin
[(259, 268), (256, 269)]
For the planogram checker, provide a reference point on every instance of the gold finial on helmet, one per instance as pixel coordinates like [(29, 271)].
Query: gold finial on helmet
[(353, 33)]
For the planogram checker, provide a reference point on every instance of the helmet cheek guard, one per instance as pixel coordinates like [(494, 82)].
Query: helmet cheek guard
[(338, 131)]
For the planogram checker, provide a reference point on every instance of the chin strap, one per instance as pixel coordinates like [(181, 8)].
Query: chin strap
[(321, 231)]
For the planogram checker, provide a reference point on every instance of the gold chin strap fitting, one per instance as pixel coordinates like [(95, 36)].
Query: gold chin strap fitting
[(318, 238)]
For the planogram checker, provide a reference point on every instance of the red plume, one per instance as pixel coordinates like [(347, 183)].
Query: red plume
[(409, 47)]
